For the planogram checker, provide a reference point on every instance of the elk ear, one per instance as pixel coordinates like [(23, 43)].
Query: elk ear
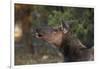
[(65, 26)]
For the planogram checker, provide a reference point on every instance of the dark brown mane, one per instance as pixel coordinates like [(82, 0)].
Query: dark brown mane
[(74, 50)]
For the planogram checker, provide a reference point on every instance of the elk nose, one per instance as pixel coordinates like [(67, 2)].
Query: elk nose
[(39, 35)]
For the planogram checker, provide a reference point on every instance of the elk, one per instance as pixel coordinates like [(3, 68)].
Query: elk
[(71, 47), (51, 36)]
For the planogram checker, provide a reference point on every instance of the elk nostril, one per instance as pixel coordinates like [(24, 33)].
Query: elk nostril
[(39, 35)]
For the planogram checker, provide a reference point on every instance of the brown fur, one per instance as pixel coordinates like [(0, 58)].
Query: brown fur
[(73, 49), (53, 38)]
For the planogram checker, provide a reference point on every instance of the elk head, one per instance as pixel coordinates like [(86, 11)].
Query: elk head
[(51, 35)]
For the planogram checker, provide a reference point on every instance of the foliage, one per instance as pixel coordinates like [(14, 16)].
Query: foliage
[(81, 20)]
